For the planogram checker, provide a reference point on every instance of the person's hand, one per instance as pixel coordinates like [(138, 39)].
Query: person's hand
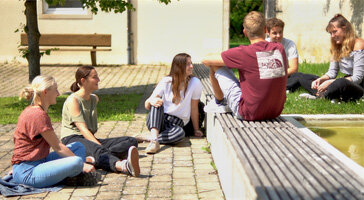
[(316, 83), (156, 102), (198, 133), (323, 87), (88, 168)]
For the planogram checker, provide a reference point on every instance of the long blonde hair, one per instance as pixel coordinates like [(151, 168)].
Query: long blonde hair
[(178, 74), (39, 84), (339, 51)]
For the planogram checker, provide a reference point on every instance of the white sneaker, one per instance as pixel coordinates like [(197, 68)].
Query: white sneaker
[(133, 161), (333, 101), (153, 147), (213, 107), (307, 96)]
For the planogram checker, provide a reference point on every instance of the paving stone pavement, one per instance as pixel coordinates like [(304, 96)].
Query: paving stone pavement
[(176, 172)]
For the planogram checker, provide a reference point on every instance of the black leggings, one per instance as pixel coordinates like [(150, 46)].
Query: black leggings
[(108, 153), (341, 88)]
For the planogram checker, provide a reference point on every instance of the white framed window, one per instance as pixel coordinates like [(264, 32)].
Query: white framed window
[(70, 9)]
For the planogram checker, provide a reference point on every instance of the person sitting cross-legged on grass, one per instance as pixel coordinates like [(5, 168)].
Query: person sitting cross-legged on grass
[(173, 102), (262, 66), (79, 124), (347, 52), (32, 162)]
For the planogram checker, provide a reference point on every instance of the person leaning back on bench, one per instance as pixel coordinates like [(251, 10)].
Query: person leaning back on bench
[(262, 66)]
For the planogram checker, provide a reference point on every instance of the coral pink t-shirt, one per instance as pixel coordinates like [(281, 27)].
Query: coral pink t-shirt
[(262, 69), (29, 145)]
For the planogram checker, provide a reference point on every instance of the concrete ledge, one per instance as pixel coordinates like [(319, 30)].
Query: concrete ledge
[(233, 178), (326, 116)]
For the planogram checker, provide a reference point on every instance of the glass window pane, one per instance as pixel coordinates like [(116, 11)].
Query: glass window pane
[(68, 4)]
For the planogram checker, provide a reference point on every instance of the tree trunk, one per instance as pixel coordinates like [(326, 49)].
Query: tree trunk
[(33, 56)]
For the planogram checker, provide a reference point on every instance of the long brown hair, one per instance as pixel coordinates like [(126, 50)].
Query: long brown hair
[(82, 72), (178, 74), (343, 50)]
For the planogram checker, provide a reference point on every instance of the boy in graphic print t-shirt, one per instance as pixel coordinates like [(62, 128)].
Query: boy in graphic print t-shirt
[(260, 94)]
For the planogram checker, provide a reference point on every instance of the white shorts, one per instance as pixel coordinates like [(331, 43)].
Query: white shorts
[(230, 87)]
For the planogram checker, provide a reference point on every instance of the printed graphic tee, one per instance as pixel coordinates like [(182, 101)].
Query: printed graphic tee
[(262, 70)]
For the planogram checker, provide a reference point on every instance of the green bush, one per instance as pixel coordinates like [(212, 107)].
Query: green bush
[(238, 10)]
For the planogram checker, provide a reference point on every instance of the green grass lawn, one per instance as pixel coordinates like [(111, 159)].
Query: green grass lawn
[(296, 105), (110, 108), (235, 42)]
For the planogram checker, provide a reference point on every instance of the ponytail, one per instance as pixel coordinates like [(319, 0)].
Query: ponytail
[(82, 72), (26, 93), (74, 87), (39, 84)]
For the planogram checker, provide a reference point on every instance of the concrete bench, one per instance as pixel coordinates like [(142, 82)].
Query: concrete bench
[(273, 159), (72, 42)]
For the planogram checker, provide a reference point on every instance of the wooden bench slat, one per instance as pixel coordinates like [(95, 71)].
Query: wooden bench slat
[(101, 40), (282, 155), (278, 123), (309, 172), (67, 49), (274, 174), (302, 174), (329, 164), (279, 156), (226, 120), (263, 170), (310, 160), (285, 122), (233, 120), (350, 176), (258, 179)]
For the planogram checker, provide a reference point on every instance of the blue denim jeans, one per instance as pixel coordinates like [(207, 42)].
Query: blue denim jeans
[(52, 169)]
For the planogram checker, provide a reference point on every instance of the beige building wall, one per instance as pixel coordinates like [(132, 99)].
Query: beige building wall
[(102, 23), (11, 18), (191, 26), (160, 31), (306, 20)]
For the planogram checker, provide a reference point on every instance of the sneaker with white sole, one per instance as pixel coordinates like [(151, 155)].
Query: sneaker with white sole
[(153, 147), (133, 162), (307, 96), (333, 101), (213, 107)]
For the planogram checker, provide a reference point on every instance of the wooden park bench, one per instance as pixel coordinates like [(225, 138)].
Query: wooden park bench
[(72, 42), (274, 159)]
